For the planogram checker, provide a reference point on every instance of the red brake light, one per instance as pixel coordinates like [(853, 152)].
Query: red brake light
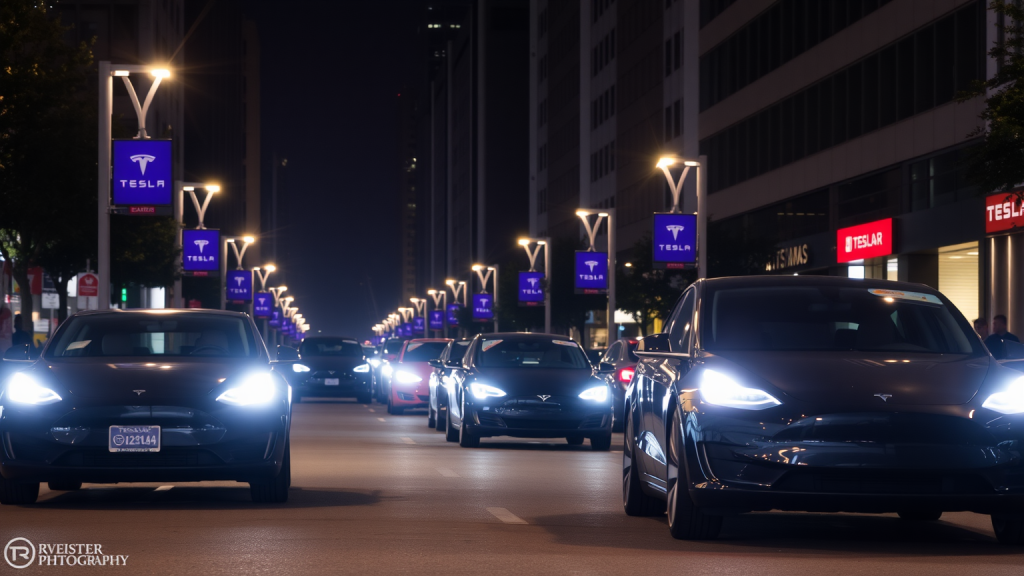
[(625, 375)]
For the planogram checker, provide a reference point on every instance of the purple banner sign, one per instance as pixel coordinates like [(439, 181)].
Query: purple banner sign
[(591, 272)]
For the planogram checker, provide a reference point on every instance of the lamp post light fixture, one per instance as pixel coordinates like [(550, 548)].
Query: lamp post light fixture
[(665, 163), (106, 113), (456, 288), (239, 254), (609, 214), (179, 217), (538, 243), (421, 308), (406, 313), (441, 301), (485, 274)]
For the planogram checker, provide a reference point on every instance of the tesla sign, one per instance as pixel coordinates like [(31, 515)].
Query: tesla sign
[(869, 240), (1003, 212), (262, 304), (453, 314), (436, 320), (675, 240), (591, 272), (483, 307), (239, 285), (142, 172), (417, 325), (200, 251), (531, 290)]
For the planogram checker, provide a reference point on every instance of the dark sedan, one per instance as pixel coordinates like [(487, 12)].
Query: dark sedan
[(821, 394), (331, 367), (147, 396), (527, 386), (620, 356)]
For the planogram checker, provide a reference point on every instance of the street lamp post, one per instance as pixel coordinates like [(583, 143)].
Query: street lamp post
[(456, 288), (276, 292), (421, 308), (532, 254), (608, 213), (106, 113), (441, 300), (664, 163), (179, 217), (485, 274), (239, 254)]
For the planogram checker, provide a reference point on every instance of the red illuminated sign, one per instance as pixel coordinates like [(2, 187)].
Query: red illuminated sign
[(142, 210), (1003, 212), (869, 240), (88, 284)]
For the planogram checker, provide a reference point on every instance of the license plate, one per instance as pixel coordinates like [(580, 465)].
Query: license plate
[(134, 439), (332, 381)]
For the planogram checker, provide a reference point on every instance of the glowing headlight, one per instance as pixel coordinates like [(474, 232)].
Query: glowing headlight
[(254, 390), (387, 370), (22, 389), (597, 394), (404, 377), (362, 368), (1009, 401), (717, 388), (300, 368), (481, 390), (374, 362)]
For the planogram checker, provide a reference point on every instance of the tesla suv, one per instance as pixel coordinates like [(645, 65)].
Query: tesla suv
[(406, 379), (821, 394)]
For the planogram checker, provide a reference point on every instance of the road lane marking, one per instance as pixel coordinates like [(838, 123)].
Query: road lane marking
[(163, 489), (448, 473), (505, 516), (381, 419), (372, 410), (408, 440)]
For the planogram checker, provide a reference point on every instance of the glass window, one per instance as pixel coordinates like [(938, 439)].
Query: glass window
[(940, 180), (423, 351), (315, 347), (680, 327), (519, 352), (393, 346), (613, 352), (132, 335)]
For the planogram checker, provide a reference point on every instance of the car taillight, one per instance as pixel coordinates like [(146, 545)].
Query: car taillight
[(625, 375)]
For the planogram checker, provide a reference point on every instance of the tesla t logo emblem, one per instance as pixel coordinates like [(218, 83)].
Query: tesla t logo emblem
[(675, 229), (884, 397), (532, 281), (139, 392), (201, 244), (543, 397), (142, 159), (239, 279), (591, 264)]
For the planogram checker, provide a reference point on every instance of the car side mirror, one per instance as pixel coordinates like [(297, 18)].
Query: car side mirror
[(657, 346), (606, 367), (18, 353), (286, 354), (435, 363)]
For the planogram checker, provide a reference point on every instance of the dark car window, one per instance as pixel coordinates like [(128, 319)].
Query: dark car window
[(423, 351), (154, 335), (613, 353), (833, 318), (630, 348), (393, 346), (680, 327), (458, 350), (530, 353), (369, 351), (317, 347)]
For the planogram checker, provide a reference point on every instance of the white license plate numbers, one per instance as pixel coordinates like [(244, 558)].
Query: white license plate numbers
[(332, 381), (134, 439)]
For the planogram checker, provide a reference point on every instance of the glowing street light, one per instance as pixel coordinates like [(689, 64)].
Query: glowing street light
[(537, 244), (676, 185), (179, 217), (609, 213)]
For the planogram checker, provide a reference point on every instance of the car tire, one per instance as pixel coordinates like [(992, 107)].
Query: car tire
[(16, 493), (442, 417), (64, 485), (431, 418), (686, 520), (920, 515), (450, 433), (602, 443), (467, 439), (635, 501), (394, 410), (1009, 528), (274, 490), (574, 440)]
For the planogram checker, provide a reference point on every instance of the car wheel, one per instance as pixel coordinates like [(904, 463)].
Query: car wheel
[(442, 417), (450, 433), (920, 515), (274, 490), (394, 410), (634, 500), (18, 493), (686, 521), (1009, 528), (64, 485), (431, 418), (467, 439), (574, 440), (602, 443)]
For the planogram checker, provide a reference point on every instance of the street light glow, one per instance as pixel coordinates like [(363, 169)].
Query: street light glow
[(121, 73), (691, 163), (248, 239), (160, 73), (431, 292), (665, 161), (524, 241), (582, 213), (270, 267), (213, 188), (477, 267)]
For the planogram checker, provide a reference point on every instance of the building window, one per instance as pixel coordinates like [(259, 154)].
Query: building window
[(603, 53), (940, 180), (710, 9)]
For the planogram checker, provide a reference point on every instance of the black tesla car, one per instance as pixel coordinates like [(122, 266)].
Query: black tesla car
[(527, 386), (821, 394), (147, 396), (440, 381), (330, 367)]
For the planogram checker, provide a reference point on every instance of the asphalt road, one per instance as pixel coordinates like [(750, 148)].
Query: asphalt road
[(380, 494)]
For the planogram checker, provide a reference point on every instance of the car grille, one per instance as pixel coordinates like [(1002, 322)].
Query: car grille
[(882, 482), (533, 424), (490, 420)]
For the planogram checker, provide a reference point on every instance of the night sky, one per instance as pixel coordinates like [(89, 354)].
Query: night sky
[(331, 73)]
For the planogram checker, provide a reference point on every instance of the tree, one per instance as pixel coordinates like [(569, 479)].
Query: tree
[(43, 100), (997, 165), (645, 293)]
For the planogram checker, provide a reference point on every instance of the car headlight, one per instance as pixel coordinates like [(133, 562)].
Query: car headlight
[(717, 388), (254, 390), (597, 394), (404, 377), (374, 362), (362, 368), (1009, 401), (23, 389), (300, 368), (387, 370), (481, 390)]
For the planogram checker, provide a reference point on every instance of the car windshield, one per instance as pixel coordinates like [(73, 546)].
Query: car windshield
[(369, 351), (423, 351), (458, 350), (393, 346), (833, 318), (530, 353), (316, 347), (148, 335)]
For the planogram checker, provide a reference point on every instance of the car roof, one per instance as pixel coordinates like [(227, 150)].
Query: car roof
[(836, 281), (497, 335), (163, 312)]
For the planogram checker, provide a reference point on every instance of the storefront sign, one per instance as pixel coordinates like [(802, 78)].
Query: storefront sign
[(262, 303), (591, 272), (674, 240), (88, 284), (142, 173), (418, 326), (239, 285), (789, 257), (483, 307), (200, 251), (453, 314), (1003, 212), (531, 289), (436, 318), (869, 240)]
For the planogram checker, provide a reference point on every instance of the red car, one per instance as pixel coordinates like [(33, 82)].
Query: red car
[(406, 380)]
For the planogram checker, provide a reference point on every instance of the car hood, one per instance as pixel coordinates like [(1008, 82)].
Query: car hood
[(854, 378), (336, 363), (532, 381), (118, 381)]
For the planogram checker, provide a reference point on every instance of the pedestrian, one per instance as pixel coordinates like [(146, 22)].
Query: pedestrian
[(981, 327), (20, 337), (999, 328)]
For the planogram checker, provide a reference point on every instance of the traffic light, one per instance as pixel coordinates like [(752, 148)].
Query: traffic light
[(124, 295)]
